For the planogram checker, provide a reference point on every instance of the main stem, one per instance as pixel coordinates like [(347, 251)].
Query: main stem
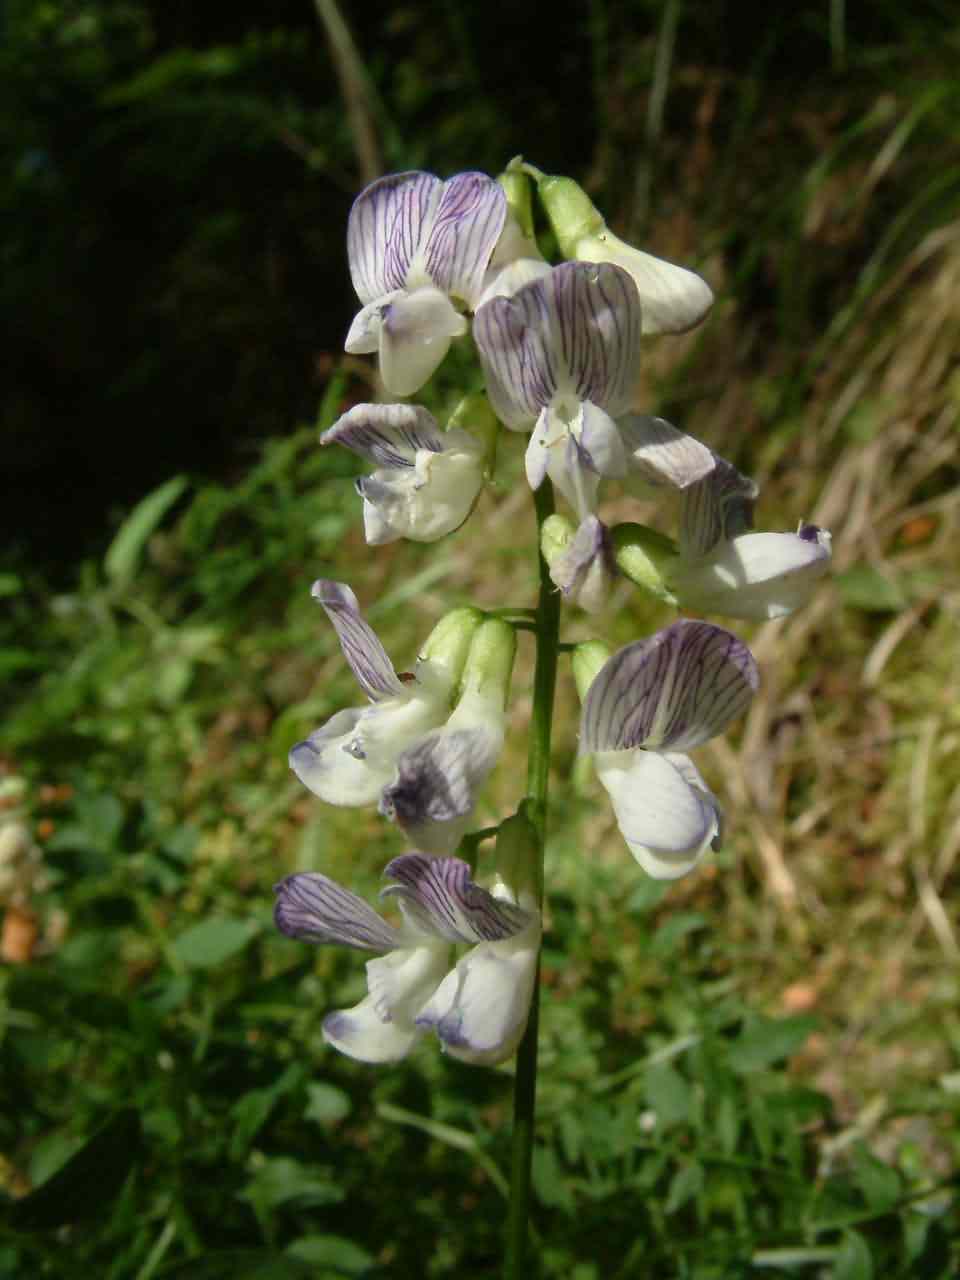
[(547, 630)]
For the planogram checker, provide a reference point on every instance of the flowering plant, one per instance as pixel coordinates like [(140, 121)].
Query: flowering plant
[(559, 348)]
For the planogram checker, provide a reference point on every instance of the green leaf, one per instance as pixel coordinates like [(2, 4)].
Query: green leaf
[(327, 1105), (87, 1183), (864, 587), (671, 933), (684, 1185), (285, 1181), (879, 1183), (335, 1252), (123, 555), (854, 1261), (669, 1094), (210, 943), (10, 585), (765, 1041)]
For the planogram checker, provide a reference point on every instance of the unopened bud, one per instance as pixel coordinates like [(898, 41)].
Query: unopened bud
[(555, 537), (586, 660), (572, 213), (489, 664), (518, 860), (516, 185), (646, 557), (448, 644)]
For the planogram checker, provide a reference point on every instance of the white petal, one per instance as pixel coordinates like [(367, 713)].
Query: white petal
[(507, 280), (354, 755), (537, 457), (428, 501), (386, 227), (438, 898), (673, 691), (758, 575), (662, 454), (359, 642), (363, 336), (480, 1010), (415, 335), (667, 823), (672, 298), (381, 1028), (600, 441), (317, 909), (584, 571)]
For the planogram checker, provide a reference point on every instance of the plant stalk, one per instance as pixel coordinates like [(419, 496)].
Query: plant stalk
[(547, 631)]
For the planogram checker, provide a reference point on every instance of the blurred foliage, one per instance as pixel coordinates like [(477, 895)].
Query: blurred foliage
[(753, 1073)]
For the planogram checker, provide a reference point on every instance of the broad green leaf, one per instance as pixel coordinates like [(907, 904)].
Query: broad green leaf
[(345, 1257), (879, 1183), (211, 942), (684, 1185), (123, 555), (765, 1041), (282, 1180), (669, 1094), (327, 1105), (240, 1264), (864, 587), (854, 1261)]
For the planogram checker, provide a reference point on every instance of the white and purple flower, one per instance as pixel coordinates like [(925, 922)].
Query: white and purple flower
[(648, 705), (407, 752), (723, 567), (417, 246), (426, 480), (560, 359), (479, 1009)]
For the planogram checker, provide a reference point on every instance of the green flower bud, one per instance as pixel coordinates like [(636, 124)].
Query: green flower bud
[(516, 185), (572, 213), (489, 664), (517, 857), (645, 557), (448, 644), (555, 537), (586, 660)]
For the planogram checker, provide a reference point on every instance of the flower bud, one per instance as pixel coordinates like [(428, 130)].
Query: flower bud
[(581, 562), (586, 660), (673, 299), (645, 557), (518, 858), (489, 664), (448, 644), (516, 186), (555, 537)]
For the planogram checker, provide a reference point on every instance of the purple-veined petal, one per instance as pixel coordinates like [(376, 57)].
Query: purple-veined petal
[(314, 908), (415, 335), (437, 896), (758, 575), (480, 1010), (671, 692), (719, 506), (574, 335), (464, 233), (662, 454), (665, 813), (385, 230), (387, 435), (362, 649)]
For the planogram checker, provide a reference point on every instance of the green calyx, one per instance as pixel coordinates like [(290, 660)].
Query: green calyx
[(555, 537), (645, 557), (489, 664), (516, 186), (448, 644), (571, 212), (586, 660), (517, 855)]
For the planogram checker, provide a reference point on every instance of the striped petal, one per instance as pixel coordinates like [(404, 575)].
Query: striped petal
[(584, 571), (671, 692), (573, 335), (363, 651), (719, 507), (464, 234), (662, 454), (388, 435), (314, 908), (664, 811), (385, 229), (437, 897)]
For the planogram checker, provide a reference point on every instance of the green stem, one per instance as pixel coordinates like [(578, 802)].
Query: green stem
[(538, 777)]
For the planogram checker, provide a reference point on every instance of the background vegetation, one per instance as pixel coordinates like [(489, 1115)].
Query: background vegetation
[(755, 1071)]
